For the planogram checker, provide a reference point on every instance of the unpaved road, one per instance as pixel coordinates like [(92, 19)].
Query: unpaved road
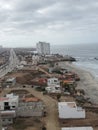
[(51, 120)]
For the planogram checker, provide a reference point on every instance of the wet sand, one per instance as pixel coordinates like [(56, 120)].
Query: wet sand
[(87, 82)]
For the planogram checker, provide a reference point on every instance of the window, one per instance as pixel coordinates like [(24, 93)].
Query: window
[(9, 120), (3, 120), (13, 106), (55, 80)]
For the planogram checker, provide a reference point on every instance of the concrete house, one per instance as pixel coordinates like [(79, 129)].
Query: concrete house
[(77, 128), (53, 81), (8, 106), (53, 89), (10, 102), (30, 107), (69, 110), (7, 117)]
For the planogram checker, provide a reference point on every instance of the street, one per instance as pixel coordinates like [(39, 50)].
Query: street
[(13, 62)]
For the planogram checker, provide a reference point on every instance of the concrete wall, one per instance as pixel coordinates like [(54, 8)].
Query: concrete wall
[(30, 109), (6, 121)]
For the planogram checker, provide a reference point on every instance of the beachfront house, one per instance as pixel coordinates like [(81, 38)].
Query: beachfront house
[(77, 128), (69, 110), (53, 81), (53, 89)]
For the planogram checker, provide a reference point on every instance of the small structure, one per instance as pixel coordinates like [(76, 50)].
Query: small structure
[(53, 81), (19, 67), (11, 82), (77, 128), (10, 102), (23, 63), (7, 117), (69, 86), (53, 89), (69, 110)]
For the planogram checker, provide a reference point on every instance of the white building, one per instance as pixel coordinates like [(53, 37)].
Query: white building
[(19, 67), (11, 81), (53, 89), (77, 128), (23, 62), (10, 102), (43, 48), (53, 81), (69, 110), (35, 59)]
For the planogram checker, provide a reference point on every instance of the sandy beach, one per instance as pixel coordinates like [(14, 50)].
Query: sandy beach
[(87, 82)]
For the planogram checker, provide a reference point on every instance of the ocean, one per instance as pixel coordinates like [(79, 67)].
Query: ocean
[(85, 54)]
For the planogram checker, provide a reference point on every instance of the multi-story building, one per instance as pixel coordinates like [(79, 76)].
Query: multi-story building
[(8, 106), (10, 102), (43, 48)]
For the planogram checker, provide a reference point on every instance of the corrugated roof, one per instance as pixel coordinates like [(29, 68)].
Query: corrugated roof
[(31, 99)]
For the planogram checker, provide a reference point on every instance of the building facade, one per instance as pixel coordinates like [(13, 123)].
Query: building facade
[(43, 48), (10, 102), (53, 81)]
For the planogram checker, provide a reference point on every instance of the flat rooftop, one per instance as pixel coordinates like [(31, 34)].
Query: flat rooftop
[(69, 104), (77, 128)]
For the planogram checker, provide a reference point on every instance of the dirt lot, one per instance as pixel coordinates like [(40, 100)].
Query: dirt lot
[(26, 124), (52, 122)]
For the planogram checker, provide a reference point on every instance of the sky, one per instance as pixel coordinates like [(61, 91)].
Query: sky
[(25, 22)]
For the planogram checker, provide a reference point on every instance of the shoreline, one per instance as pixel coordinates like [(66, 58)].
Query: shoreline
[(87, 81)]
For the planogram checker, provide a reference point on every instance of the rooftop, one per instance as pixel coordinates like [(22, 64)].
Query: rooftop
[(77, 128), (10, 79), (31, 99), (69, 104)]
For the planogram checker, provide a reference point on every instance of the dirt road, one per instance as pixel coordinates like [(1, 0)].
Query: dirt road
[(51, 120)]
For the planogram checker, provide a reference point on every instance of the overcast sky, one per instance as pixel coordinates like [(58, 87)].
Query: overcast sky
[(25, 22)]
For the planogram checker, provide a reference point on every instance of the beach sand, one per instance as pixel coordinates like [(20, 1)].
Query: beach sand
[(87, 81)]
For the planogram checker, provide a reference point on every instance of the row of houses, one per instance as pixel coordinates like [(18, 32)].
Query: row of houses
[(53, 84)]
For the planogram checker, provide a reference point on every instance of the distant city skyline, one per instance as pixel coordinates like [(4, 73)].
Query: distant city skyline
[(24, 23)]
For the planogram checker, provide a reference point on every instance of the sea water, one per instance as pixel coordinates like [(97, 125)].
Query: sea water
[(85, 54)]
